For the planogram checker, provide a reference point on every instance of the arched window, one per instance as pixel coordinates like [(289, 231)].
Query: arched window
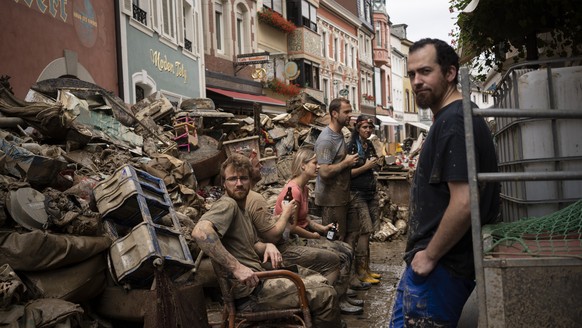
[(143, 85), (243, 29)]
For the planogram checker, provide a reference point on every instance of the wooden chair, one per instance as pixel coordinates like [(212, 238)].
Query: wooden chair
[(292, 317), (185, 132)]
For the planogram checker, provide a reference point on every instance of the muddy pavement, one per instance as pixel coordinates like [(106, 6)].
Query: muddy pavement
[(386, 258)]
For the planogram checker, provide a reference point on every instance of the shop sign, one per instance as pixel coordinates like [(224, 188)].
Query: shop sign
[(162, 63)]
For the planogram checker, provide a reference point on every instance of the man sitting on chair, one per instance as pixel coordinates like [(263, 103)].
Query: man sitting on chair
[(227, 235)]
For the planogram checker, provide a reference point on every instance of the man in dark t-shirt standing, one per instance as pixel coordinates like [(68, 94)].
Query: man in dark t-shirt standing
[(439, 276)]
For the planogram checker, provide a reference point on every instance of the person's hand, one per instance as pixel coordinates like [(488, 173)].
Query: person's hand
[(327, 227), (271, 252), (370, 163), (315, 235), (289, 210), (352, 159), (422, 264), (246, 276)]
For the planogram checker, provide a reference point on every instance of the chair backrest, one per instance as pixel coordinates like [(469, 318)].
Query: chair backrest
[(300, 313)]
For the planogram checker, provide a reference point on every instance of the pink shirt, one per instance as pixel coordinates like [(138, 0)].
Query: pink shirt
[(300, 197)]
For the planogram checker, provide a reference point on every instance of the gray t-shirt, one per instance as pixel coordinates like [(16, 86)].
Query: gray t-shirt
[(330, 148)]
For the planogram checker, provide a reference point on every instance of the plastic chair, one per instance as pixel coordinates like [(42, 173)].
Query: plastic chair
[(292, 317), (185, 132)]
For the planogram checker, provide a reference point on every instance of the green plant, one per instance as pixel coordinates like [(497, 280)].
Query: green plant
[(283, 88), (274, 19), (495, 28)]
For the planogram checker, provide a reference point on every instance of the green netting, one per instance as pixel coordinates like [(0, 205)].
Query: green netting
[(556, 234)]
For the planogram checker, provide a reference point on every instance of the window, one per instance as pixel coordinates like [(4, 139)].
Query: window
[(302, 13), (190, 37), (309, 74), (218, 27), (139, 93), (350, 56), (169, 19), (365, 7), (324, 45), (345, 54), (243, 43), (326, 91), (276, 5), (139, 10), (485, 98), (309, 13), (378, 35), (408, 102), (239, 33), (354, 58), (335, 49)]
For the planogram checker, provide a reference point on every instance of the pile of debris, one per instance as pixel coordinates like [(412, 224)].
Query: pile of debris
[(77, 164)]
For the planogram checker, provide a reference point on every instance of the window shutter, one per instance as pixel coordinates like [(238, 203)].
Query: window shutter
[(127, 7), (155, 14), (180, 22)]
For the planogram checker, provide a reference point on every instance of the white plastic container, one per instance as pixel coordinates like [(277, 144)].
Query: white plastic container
[(530, 147)]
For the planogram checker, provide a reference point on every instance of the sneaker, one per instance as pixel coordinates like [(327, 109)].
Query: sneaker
[(347, 308), (355, 301)]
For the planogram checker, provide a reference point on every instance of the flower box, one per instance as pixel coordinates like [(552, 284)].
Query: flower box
[(274, 19)]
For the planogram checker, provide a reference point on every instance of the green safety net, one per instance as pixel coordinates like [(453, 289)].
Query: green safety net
[(556, 234)]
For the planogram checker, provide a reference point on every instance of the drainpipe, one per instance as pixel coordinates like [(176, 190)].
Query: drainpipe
[(119, 59)]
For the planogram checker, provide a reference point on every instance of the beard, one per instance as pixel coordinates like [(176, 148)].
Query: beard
[(238, 193), (427, 98)]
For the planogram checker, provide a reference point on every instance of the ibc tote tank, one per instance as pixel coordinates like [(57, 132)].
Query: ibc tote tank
[(541, 141)]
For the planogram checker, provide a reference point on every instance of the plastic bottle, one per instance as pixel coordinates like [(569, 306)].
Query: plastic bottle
[(332, 232)]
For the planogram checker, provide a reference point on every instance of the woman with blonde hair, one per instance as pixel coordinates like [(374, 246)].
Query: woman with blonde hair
[(306, 233)]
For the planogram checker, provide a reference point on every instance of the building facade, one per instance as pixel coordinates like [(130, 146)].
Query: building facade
[(49, 39), (161, 49)]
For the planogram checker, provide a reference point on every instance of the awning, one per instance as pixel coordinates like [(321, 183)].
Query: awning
[(419, 125), (387, 120), (248, 97)]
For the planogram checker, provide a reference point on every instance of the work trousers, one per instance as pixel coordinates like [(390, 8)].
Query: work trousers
[(281, 293)]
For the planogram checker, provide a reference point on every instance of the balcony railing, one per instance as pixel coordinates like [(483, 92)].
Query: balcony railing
[(140, 15), (188, 44)]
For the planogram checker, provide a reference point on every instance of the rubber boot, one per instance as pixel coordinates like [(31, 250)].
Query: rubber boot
[(363, 273), (370, 272)]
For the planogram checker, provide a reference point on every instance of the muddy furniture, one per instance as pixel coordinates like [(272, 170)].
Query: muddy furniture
[(185, 132), (140, 217), (521, 286), (141, 305), (147, 255), (292, 317)]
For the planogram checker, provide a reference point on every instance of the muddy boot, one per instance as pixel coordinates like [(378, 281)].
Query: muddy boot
[(355, 301), (370, 272), (363, 273), (347, 308), (357, 284)]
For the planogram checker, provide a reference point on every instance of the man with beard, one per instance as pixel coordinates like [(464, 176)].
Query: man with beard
[(332, 185), (439, 276), (227, 235)]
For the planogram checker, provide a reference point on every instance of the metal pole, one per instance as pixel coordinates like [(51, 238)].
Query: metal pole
[(474, 196)]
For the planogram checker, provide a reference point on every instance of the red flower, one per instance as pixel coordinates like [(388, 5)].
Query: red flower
[(274, 19), (283, 88)]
